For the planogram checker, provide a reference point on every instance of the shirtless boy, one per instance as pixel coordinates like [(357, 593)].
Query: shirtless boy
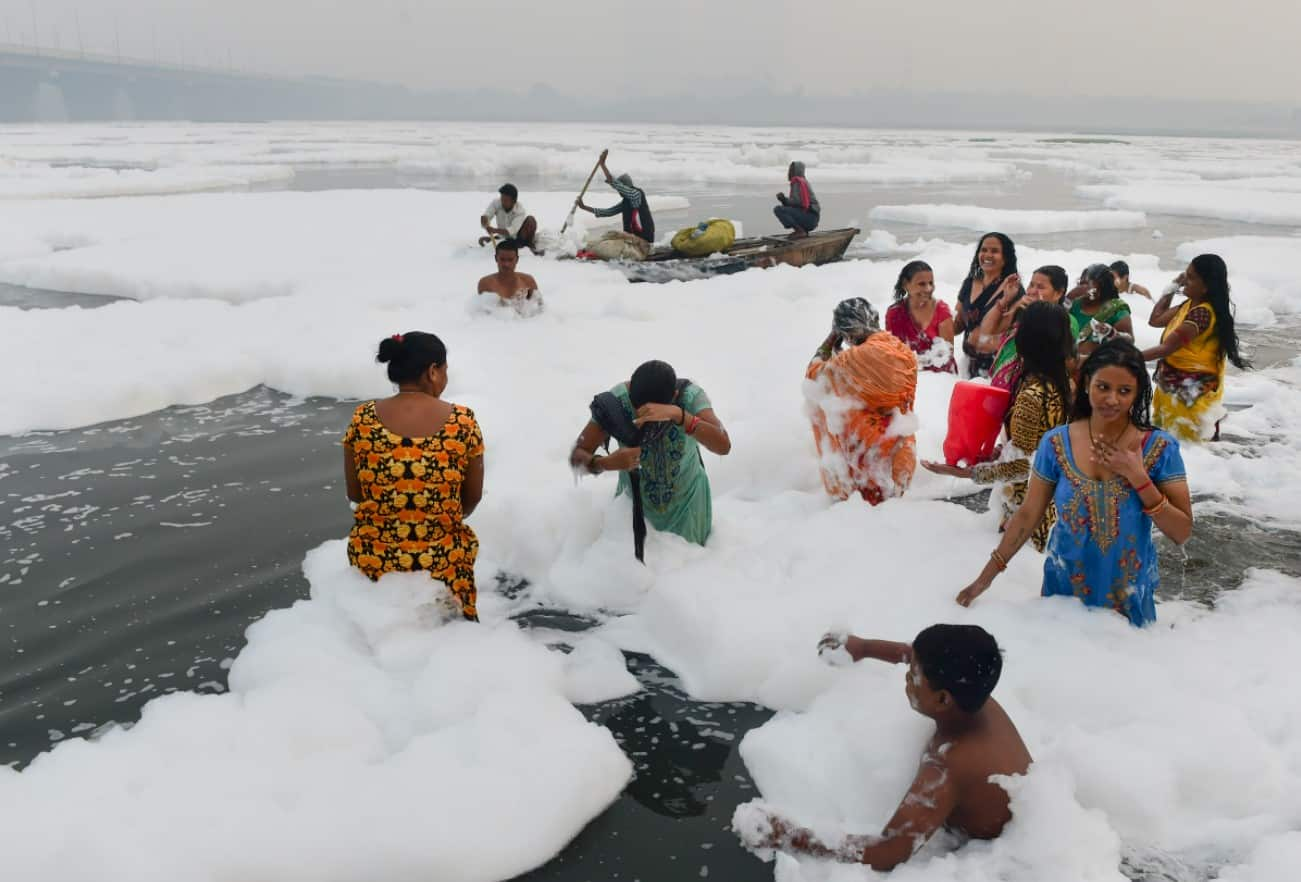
[(951, 671), (510, 286)]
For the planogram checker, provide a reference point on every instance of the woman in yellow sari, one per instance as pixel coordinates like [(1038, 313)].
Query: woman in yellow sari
[(1198, 339)]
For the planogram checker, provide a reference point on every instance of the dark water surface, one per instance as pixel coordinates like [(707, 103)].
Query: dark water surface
[(134, 554)]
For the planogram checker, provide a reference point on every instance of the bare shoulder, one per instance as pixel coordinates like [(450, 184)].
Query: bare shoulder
[(529, 280), (488, 283)]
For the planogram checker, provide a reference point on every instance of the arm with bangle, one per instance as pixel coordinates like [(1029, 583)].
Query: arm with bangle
[(1019, 529)]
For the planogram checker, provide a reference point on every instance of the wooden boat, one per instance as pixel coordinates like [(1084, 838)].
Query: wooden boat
[(817, 248)]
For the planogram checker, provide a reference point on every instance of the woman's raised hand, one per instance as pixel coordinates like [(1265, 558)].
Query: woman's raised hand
[(658, 413), (941, 468)]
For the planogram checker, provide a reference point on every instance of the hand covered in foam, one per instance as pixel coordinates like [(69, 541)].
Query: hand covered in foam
[(831, 649), (758, 828)]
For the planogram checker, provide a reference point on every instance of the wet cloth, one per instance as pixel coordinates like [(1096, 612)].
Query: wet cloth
[(674, 487), (1036, 409), (410, 516), (1101, 549), (974, 309), (855, 398), (1189, 388), (899, 321), (1109, 313)]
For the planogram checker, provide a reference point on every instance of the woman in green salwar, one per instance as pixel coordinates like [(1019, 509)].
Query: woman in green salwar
[(660, 423)]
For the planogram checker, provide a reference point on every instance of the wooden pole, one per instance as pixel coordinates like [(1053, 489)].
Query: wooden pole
[(582, 192)]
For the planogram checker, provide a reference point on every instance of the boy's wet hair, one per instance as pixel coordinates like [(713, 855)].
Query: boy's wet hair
[(507, 245), (1121, 269), (963, 660)]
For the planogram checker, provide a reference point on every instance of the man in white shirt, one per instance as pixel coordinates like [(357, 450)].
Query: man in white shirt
[(509, 220)]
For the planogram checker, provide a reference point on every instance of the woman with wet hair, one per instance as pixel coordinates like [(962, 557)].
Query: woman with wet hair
[(998, 333), (1112, 477), (921, 321), (860, 393), (413, 463), (1199, 338), (1098, 309), (660, 422), (991, 277), (1041, 401)]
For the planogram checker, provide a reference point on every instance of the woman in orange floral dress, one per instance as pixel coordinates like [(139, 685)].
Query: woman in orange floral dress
[(414, 465)]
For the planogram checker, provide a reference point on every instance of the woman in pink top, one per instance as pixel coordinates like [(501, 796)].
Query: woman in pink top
[(921, 321)]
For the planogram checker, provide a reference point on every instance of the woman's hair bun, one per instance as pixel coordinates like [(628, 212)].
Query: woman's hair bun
[(389, 349)]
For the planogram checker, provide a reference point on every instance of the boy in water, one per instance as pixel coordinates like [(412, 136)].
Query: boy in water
[(510, 286), (952, 669)]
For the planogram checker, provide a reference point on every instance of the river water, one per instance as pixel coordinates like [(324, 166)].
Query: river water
[(138, 551)]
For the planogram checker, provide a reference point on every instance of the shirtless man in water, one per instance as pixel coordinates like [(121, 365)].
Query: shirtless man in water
[(510, 286), (951, 671)]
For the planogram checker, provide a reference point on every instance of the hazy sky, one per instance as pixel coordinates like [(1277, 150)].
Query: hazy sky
[(1149, 48)]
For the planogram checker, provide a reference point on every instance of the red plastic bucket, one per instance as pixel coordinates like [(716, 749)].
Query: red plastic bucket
[(976, 413)]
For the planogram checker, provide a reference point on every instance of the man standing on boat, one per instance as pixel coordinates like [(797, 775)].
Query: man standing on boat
[(799, 212), (637, 220)]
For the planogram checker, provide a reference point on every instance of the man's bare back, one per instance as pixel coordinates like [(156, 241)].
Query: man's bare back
[(974, 739)]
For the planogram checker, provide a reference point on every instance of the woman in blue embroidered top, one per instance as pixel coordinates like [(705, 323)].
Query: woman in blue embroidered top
[(660, 424), (1112, 476)]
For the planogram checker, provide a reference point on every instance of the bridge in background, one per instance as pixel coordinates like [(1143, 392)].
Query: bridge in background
[(43, 85)]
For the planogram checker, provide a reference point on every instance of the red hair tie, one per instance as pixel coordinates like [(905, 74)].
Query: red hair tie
[(397, 337)]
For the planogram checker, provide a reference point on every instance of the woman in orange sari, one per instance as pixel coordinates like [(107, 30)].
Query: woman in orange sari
[(860, 391)]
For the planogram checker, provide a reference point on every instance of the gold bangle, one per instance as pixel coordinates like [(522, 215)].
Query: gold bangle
[(1156, 509), (998, 559)]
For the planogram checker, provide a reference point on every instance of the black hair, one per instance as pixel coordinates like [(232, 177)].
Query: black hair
[(654, 382), (1044, 343), (409, 355), (1009, 265), (507, 245), (1120, 268), (963, 660), (509, 190), (1215, 276), (1099, 274), (1117, 352), (906, 274), (1009, 255), (1056, 276)]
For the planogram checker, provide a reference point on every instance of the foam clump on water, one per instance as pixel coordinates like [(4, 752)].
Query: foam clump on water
[(363, 737), (1010, 220)]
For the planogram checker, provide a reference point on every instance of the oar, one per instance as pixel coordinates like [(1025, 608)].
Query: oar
[(583, 192)]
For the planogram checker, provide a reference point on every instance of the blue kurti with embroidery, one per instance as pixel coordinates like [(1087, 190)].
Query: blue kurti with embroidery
[(674, 486), (1101, 549)]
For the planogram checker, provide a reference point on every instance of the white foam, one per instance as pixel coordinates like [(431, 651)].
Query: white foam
[(295, 290), (1009, 220), (360, 739), (27, 182), (1202, 199)]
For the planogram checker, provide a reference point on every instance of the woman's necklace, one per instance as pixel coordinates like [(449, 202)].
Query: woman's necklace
[(1113, 442)]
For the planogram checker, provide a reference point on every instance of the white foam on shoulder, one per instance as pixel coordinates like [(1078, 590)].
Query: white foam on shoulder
[(361, 738), (1012, 221)]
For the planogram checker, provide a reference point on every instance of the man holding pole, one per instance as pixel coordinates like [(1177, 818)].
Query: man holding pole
[(634, 208)]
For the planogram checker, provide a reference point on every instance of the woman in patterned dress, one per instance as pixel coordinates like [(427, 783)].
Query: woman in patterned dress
[(1098, 309), (1198, 339), (1112, 477), (413, 463), (1041, 400), (674, 419)]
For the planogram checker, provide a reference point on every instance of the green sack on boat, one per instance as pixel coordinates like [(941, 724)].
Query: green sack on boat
[(708, 237)]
